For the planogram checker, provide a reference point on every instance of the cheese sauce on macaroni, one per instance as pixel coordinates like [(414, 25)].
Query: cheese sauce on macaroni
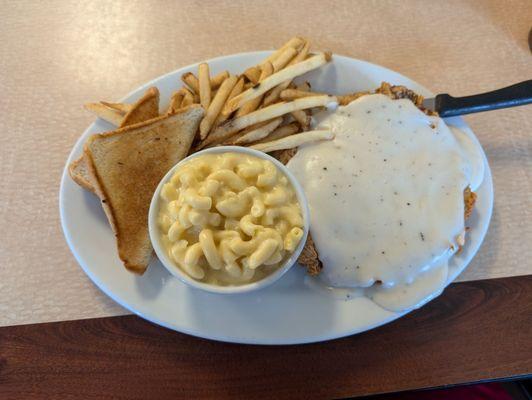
[(229, 218), (386, 198)]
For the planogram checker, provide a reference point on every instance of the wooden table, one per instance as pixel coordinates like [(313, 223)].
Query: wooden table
[(475, 331), (58, 55)]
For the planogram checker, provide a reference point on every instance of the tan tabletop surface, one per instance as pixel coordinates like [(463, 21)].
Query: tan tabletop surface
[(54, 56)]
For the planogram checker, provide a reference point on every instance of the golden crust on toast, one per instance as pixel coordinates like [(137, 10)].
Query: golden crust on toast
[(79, 173), (146, 108)]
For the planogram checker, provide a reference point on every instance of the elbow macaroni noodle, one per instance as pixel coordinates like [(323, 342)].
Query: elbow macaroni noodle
[(229, 218)]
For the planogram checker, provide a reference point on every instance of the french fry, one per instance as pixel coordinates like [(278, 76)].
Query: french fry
[(292, 94), (283, 59), (175, 101), (191, 81), (260, 132), (266, 71), (216, 106), (217, 80), (252, 105), (288, 73), (296, 42), (109, 114), (188, 98), (302, 118), (305, 87), (302, 55), (252, 74), (231, 140), (289, 142), (273, 95), (237, 89), (264, 114), (204, 85), (281, 132), (123, 108)]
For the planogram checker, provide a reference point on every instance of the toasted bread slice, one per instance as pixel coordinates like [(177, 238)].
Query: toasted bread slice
[(127, 165), (119, 114), (122, 108), (122, 114), (111, 115), (80, 174), (146, 108)]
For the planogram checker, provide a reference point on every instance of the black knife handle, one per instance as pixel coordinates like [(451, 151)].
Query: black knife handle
[(511, 96)]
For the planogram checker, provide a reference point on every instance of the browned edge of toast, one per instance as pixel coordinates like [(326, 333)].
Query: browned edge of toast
[(78, 177)]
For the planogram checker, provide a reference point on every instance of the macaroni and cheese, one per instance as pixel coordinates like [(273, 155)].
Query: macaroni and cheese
[(229, 218)]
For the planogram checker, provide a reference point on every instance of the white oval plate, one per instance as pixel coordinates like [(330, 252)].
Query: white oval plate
[(289, 311)]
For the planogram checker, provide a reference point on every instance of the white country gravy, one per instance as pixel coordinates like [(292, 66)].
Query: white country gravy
[(386, 198)]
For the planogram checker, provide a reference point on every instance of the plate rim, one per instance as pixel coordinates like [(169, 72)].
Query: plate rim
[(212, 335)]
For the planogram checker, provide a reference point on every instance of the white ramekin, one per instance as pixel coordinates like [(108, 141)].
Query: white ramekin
[(155, 233)]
